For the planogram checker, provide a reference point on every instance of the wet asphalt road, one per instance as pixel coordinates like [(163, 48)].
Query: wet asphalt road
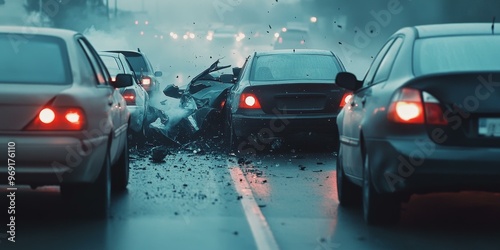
[(190, 201)]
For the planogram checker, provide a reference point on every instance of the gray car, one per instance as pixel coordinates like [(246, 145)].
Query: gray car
[(64, 121), (425, 119)]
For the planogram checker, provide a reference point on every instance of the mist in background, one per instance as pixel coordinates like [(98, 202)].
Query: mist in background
[(354, 29)]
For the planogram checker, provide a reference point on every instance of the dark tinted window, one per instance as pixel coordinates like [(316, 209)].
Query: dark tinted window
[(41, 59), (457, 53), (138, 63), (294, 67)]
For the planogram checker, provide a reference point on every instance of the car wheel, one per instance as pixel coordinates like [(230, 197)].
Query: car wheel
[(120, 171), (349, 194), (378, 209), (91, 199)]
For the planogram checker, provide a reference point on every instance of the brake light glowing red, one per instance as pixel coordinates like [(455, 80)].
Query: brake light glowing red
[(62, 119), (409, 111), (409, 107), (249, 101), (346, 98), (129, 95), (146, 81), (46, 116), (73, 117)]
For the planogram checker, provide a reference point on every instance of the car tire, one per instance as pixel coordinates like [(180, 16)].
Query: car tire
[(91, 199), (378, 209), (349, 194), (120, 171)]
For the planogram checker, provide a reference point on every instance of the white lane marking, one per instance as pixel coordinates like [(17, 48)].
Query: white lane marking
[(261, 231)]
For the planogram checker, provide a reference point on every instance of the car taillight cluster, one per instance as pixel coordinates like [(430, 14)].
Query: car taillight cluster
[(249, 101), (146, 83), (129, 95), (411, 106), (346, 98), (63, 119)]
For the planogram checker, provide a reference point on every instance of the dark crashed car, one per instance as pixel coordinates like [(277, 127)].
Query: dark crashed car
[(203, 101), (425, 119), (283, 92)]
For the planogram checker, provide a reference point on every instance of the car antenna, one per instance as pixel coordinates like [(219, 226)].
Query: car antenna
[(493, 26), (139, 50)]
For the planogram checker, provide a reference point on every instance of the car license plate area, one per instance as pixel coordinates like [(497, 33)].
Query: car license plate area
[(302, 103), (489, 127)]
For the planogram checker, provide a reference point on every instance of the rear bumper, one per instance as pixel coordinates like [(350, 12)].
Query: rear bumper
[(281, 125), (408, 166), (52, 160)]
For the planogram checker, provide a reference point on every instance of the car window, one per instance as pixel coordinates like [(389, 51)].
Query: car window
[(42, 60), (279, 67), (99, 73), (111, 63), (386, 65), (375, 64), (138, 63), (457, 53)]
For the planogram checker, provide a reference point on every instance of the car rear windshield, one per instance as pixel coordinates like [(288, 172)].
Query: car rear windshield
[(280, 67), (34, 60), (137, 61), (456, 54)]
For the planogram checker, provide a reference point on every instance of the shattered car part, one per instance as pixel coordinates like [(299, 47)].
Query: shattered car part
[(203, 100)]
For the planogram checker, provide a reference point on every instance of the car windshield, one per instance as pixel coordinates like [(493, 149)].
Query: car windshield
[(280, 67), (457, 53), (42, 60)]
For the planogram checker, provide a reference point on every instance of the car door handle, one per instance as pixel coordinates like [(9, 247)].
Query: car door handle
[(363, 101)]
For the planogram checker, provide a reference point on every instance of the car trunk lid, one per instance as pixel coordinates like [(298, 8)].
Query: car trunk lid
[(298, 97), (470, 103), (20, 103)]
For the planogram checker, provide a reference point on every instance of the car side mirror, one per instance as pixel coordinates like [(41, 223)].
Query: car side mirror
[(227, 78), (348, 81), (173, 91), (236, 73), (123, 80), (158, 74)]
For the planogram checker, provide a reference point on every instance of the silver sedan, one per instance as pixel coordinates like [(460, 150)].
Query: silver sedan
[(63, 121)]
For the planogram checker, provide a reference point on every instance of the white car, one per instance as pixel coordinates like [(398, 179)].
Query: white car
[(136, 97), (63, 118)]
